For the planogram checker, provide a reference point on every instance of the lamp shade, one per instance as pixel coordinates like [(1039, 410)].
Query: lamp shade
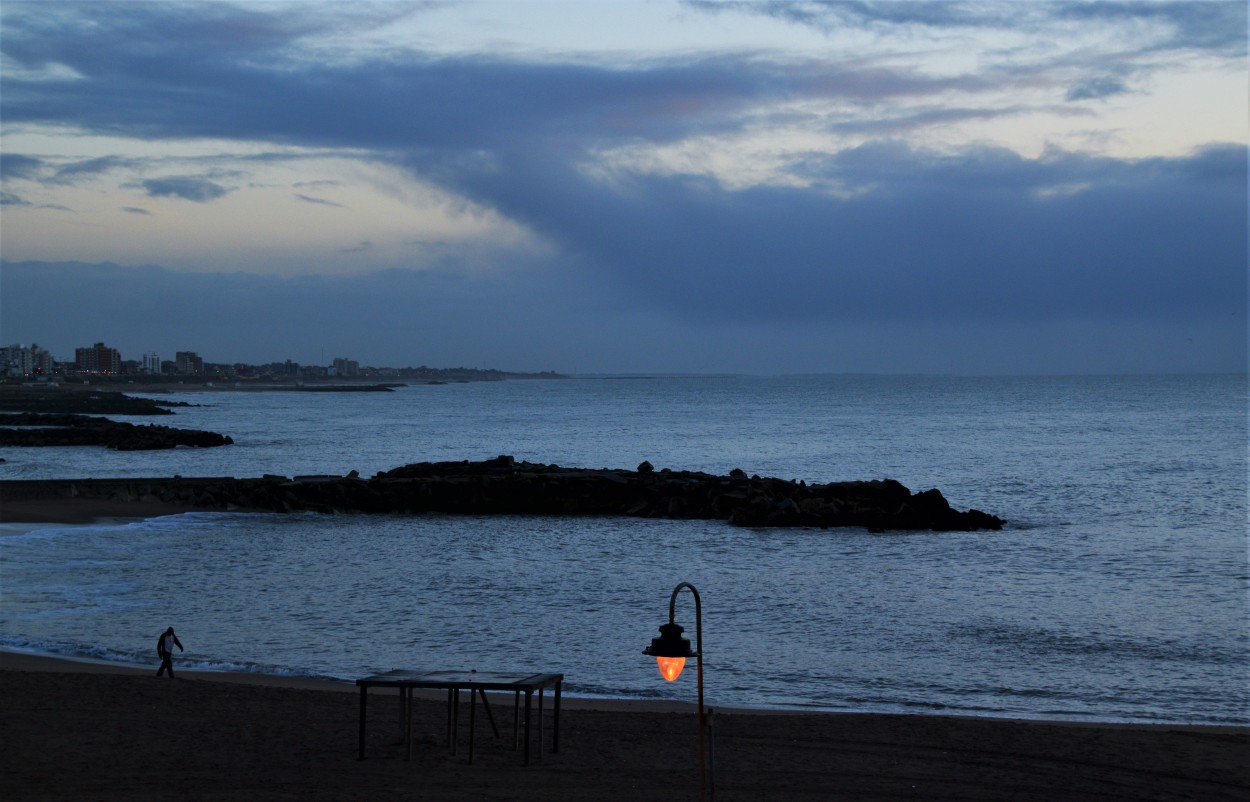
[(670, 667), (670, 643), (670, 651)]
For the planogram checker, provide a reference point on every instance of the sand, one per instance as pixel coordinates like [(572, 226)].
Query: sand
[(97, 731)]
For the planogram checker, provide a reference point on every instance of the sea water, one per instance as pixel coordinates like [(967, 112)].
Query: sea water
[(1117, 591)]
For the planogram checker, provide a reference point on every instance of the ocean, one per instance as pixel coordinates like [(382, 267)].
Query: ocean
[(1118, 590)]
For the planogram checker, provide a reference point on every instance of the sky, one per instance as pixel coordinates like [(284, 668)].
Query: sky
[(630, 187)]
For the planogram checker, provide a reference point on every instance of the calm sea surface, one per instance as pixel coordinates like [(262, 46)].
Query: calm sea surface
[(1118, 591)]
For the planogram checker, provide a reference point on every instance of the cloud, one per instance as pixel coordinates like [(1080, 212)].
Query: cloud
[(981, 235), (318, 201), (261, 88), (135, 210), (1218, 26), (1096, 89), (1143, 31), (10, 199), (90, 167), (843, 243), (193, 189), (17, 165), (827, 15)]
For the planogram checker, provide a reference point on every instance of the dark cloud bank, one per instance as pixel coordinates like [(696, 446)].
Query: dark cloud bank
[(883, 257)]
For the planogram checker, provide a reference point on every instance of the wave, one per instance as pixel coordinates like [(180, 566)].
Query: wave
[(1044, 642), (100, 654)]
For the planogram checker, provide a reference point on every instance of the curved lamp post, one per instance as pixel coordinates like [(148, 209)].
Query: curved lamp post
[(670, 651)]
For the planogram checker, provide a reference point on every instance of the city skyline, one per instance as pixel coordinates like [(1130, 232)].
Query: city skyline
[(19, 360), (633, 187)]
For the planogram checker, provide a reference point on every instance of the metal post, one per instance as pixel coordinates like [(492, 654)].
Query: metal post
[(698, 628), (516, 719), (450, 709), (472, 716), (490, 715), (555, 721), (407, 722), (529, 698), (711, 755), (455, 720), (364, 698)]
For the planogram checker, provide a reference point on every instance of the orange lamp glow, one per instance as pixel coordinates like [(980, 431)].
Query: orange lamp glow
[(670, 667)]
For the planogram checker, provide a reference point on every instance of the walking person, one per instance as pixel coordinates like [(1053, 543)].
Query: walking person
[(165, 648)]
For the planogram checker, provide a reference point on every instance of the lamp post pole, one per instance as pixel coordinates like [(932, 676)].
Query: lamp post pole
[(698, 647), (672, 645)]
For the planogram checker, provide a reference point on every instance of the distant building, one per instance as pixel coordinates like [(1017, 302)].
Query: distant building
[(189, 363), (346, 367), (16, 361), (41, 359), (152, 363), (99, 358)]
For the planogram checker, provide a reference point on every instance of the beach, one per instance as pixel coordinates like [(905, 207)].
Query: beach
[(81, 730)]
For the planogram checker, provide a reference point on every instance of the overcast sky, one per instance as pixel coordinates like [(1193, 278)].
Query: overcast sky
[(772, 187)]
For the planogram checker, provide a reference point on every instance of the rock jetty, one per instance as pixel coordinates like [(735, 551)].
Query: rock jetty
[(87, 430), (52, 399), (503, 486)]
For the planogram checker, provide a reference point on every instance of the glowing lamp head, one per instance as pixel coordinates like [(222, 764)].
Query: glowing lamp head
[(670, 651), (670, 667)]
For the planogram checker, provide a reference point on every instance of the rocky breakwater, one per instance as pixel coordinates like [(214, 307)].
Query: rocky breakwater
[(503, 486), (35, 429), (80, 401)]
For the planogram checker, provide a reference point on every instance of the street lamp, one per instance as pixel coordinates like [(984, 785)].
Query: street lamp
[(670, 651)]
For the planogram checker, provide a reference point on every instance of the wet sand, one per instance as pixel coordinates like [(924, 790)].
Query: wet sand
[(96, 731)]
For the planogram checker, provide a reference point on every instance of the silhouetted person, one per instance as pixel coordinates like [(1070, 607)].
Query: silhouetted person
[(165, 648)]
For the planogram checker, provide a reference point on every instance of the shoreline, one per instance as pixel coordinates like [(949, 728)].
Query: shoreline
[(20, 660), (85, 730)]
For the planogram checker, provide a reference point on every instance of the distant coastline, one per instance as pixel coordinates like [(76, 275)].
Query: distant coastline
[(197, 384)]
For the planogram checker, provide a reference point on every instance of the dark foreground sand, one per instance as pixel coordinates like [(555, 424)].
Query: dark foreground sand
[(85, 731)]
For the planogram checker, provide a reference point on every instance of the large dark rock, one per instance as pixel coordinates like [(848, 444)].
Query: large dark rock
[(86, 430), (504, 486), (80, 401)]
